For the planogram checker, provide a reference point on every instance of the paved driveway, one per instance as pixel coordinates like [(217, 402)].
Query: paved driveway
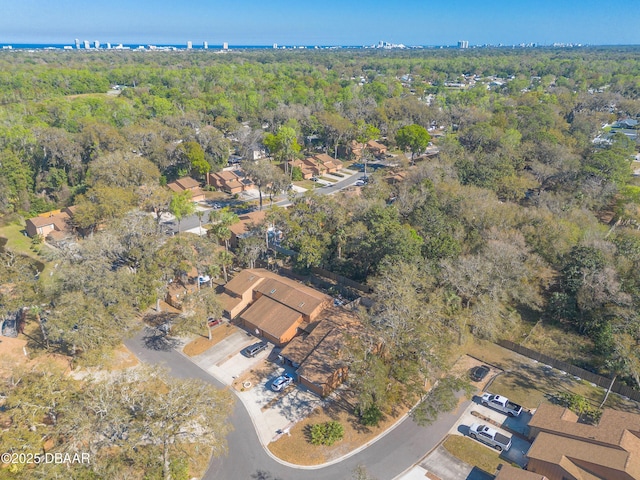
[(246, 458), (519, 446), (446, 466), (227, 348)]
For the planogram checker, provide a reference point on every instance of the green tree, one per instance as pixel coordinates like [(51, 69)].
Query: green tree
[(363, 133), (193, 155), (413, 137), (262, 173), (181, 205), (283, 146)]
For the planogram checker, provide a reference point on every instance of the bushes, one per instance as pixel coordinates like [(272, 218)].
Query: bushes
[(370, 416), (296, 174), (579, 405), (326, 433)]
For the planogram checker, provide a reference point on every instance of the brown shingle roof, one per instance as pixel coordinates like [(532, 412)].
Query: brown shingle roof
[(242, 282), (187, 183), (580, 456), (507, 472), (41, 221), (228, 302), (174, 187), (609, 431), (320, 353), (241, 227), (296, 298), (59, 221), (271, 317)]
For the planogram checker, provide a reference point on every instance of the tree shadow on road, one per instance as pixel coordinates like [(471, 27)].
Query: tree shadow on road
[(157, 339), (263, 475)]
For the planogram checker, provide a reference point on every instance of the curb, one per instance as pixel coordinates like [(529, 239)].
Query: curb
[(293, 465)]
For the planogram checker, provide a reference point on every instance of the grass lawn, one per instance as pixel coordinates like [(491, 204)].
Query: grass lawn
[(298, 449), (308, 184), (529, 383), (473, 452), (327, 179), (17, 242)]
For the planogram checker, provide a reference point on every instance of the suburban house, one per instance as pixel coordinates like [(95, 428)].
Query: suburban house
[(316, 165), (564, 449), (318, 357), (507, 472), (272, 306), (54, 225), (356, 149), (331, 164), (241, 228), (187, 183), (229, 181), (305, 168)]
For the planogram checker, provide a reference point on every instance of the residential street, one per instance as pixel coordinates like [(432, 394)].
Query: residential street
[(191, 222), (385, 459)]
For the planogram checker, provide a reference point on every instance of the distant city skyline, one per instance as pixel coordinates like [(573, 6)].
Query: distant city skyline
[(412, 22)]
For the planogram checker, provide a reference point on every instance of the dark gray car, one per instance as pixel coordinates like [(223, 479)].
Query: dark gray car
[(256, 348)]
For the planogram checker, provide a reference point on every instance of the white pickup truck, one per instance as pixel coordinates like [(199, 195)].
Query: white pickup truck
[(490, 436), (502, 404)]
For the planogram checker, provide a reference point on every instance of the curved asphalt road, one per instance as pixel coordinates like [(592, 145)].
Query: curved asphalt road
[(246, 459)]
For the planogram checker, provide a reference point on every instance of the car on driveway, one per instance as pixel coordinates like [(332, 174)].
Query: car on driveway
[(479, 373), (256, 348), (359, 183), (282, 382), (490, 436), (214, 321)]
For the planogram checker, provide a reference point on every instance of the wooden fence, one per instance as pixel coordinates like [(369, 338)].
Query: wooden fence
[(599, 380), (341, 280)]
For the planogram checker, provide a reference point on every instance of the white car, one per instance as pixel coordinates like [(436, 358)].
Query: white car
[(282, 382)]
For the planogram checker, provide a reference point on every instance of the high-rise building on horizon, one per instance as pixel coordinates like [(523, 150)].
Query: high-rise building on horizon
[(463, 44), (189, 45), (77, 44), (96, 44), (225, 46), (205, 45), (87, 45)]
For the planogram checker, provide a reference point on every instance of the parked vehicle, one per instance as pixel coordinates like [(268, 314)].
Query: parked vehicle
[(282, 382), (501, 404), (479, 373), (214, 321), (490, 436), (256, 348), (204, 279), (359, 183)]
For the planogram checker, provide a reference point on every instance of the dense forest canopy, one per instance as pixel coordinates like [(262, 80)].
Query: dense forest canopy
[(520, 220)]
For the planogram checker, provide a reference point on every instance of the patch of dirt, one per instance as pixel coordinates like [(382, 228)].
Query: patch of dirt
[(202, 344), (254, 376), (462, 368), (296, 447), (12, 356), (122, 359)]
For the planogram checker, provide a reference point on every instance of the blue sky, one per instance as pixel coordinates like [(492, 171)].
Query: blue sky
[(330, 22)]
